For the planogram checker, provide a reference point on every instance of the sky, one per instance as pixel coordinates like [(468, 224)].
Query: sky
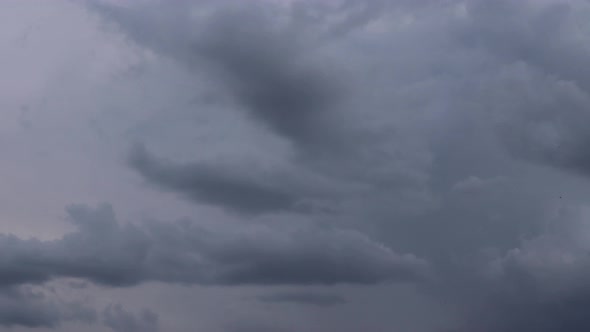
[(294, 166)]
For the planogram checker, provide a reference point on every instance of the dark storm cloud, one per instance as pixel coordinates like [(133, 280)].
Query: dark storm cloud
[(540, 286), (533, 93), (121, 320), (261, 65), (104, 252), (275, 71), (522, 305), (264, 75), (212, 184), (255, 326), (542, 88), (471, 88), (32, 307), (322, 299), (21, 306), (544, 36), (268, 70)]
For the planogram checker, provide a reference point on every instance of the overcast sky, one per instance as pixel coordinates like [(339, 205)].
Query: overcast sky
[(295, 166)]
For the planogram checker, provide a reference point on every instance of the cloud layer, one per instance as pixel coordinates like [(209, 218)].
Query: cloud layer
[(104, 252), (459, 95), (349, 145)]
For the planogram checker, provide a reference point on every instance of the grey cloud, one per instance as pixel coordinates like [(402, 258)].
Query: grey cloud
[(104, 252), (276, 71), (546, 127), (539, 95), (444, 105), (262, 65), (544, 36), (473, 184), (322, 299), (78, 284), (251, 191), (540, 286), (120, 320), (23, 306), (266, 78), (255, 326), (213, 184)]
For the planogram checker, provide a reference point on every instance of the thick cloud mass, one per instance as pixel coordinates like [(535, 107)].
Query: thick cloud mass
[(25, 307), (120, 320), (313, 143), (212, 185), (107, 253), (541, 285), (261, 67), (447, 111), (277, 72), (539, 97)]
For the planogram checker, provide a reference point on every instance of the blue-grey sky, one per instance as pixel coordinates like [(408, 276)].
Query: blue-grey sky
[(301, 165)]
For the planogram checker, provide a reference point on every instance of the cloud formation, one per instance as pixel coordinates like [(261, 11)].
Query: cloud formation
[(321, 299), (24, 306), (277, 72), (540, 285), (212, 184), (261, 65), (107, 253), (341, 134), (121, 320), (448, 108)]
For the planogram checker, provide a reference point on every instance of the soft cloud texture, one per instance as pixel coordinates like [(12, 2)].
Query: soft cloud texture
[(119, 319), (313, 298), (107, 253), (212, 185), (396, 161), (27, 307)]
